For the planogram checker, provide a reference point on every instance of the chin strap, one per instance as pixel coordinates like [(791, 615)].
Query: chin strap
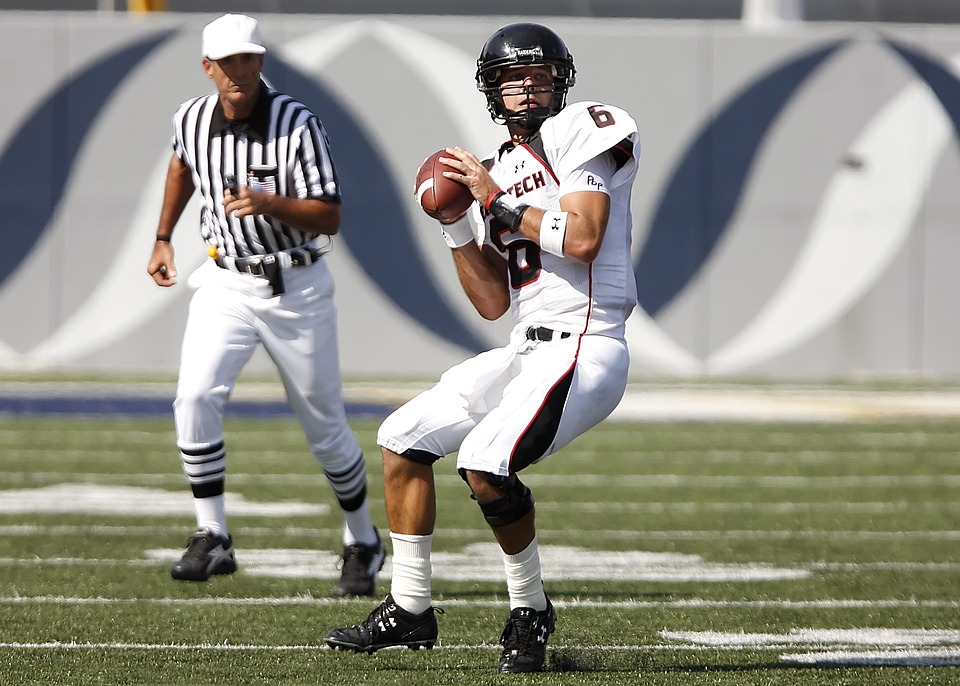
[(530, 120)]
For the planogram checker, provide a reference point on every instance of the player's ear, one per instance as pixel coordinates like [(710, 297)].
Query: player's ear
[(208, 67)]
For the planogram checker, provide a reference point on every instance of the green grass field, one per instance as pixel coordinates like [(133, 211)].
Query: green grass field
[(675, 553)]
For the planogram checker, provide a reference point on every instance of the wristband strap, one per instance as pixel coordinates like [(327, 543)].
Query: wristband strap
[(505, 208), (553, 228), (163, 239), (490, 198)]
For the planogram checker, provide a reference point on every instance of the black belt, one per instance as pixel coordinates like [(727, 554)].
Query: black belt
[(255, 264), (542, 333), (269, 266)]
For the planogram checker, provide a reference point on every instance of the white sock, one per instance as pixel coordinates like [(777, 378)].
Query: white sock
[(410, 583), (212, 514), (524, 583), (358, 527)]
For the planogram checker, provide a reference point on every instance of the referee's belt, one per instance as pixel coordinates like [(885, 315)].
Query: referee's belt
[(542, 333), (259, 265)]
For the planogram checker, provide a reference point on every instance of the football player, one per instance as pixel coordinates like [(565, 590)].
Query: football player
[(547, 242)]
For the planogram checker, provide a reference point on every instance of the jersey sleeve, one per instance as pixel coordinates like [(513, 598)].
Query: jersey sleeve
[(584, 130), (316, 176), (177, 128), (592, 175)]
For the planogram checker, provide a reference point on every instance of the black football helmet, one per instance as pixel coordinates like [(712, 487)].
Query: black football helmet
[(522, 44)]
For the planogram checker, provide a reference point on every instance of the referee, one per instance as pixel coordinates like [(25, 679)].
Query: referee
[(270, 202)]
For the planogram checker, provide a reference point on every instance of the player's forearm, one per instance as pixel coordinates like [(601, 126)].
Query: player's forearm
[(483, 282), (583, 227)]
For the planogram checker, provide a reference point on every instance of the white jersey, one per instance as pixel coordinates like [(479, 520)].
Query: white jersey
[(563, 293)]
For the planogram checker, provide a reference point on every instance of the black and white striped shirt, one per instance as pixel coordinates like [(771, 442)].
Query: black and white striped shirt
[(281, 132)]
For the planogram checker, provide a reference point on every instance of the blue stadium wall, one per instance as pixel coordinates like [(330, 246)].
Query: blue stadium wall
[(796, 210)]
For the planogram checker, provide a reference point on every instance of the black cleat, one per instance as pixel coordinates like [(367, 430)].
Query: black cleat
[(388, 626), (358, 576), (524, 639), (207, 554)]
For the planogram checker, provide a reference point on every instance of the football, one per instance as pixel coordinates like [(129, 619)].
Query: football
[(440, 197)]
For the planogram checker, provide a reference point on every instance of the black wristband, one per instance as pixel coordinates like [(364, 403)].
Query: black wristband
[(510, 216), (163, 239)]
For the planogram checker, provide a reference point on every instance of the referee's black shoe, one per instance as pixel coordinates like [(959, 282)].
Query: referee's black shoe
[(388, 626), (524, 639), (361, 563), (207, 554)]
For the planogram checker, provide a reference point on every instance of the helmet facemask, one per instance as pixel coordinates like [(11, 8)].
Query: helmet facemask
[(529, 118)]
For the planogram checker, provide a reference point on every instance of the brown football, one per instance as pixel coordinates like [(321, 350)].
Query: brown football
[(440, 197)]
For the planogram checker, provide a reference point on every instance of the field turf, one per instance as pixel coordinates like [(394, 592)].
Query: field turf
[(675, 553)]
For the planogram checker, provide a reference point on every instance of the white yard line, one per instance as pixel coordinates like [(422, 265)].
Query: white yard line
[(303, 561), (555, 534), (76, 645), (573, 481), (847, 647), (936, 657)]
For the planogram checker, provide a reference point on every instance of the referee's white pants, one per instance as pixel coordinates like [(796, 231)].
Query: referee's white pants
[(485, 407), (230, 315)]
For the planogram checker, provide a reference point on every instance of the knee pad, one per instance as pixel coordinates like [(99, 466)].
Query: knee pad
[(515, 500)]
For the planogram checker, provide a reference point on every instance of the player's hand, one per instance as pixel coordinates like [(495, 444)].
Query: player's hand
[(161, 266), (472, 173)]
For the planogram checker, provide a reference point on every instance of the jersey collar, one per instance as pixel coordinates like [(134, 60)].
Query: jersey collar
[(534, 141), (254, 126)]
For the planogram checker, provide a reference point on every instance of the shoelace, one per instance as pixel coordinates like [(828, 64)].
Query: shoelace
[(516, 634), (374, 620), (196, 547), (352, 557)]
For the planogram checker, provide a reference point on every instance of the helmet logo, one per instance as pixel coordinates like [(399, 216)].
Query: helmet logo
[(534, 54)]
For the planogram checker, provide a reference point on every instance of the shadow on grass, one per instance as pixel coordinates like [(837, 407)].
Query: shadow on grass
[(585, 660), (572, 660), (598, 660)]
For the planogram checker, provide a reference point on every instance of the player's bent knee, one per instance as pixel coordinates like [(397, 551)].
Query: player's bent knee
[(514, 503), (420, 456)]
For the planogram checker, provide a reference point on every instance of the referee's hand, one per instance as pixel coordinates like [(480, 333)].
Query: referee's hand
[(161, 266), (243, 202)]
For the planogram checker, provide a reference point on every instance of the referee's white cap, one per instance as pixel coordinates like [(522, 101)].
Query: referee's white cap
[(232, 34)]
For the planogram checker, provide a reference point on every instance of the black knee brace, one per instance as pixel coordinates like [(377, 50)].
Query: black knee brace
[(514, 502)]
